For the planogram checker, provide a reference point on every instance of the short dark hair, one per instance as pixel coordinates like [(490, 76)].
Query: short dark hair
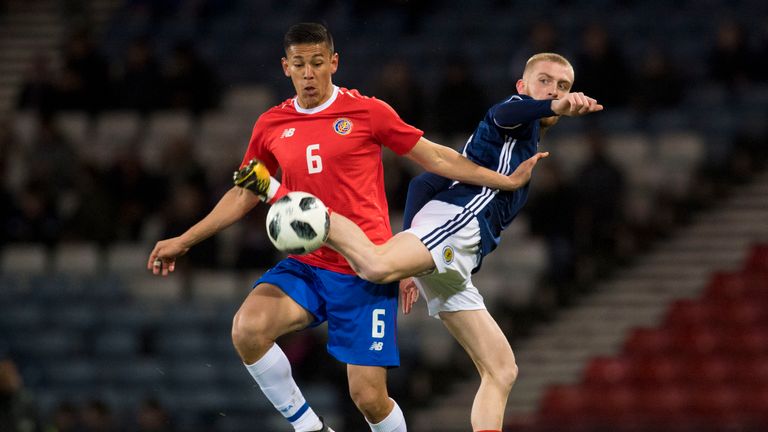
[(307, 33)]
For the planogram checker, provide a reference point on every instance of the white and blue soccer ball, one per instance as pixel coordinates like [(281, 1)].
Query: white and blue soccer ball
[(298, 223)]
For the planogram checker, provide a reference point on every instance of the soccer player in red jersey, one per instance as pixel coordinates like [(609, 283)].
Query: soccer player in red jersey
[(328, 141)]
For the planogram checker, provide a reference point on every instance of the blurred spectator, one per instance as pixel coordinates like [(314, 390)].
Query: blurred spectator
[(85, 84), (141, 82), (730, 59), (190, 82), (254, 248), (18, 410), (542, 37), (33, 216), (395, 85), (139, 193), (153, 417), (603, 72), (187, 204), (551, 214), (658, 84), (460, 100), (65, 418), (190, 172), (599, 192), (51, 152), (39, 90), (94, 216), (97, 417)]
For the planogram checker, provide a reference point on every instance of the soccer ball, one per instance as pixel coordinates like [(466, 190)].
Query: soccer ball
[(298, 223)]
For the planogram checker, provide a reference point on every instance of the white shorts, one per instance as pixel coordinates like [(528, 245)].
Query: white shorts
[(454, 242)]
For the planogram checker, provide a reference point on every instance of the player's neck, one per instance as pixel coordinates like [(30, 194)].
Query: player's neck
[(327, 101)]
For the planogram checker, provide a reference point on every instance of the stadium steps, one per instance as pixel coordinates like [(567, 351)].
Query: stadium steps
[(557, 352), (32, 29)]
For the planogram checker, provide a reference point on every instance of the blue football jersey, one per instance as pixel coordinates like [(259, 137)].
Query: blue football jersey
[(500, 147)]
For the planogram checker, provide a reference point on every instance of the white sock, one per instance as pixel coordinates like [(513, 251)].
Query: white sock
[(273, 374), (394, 422)]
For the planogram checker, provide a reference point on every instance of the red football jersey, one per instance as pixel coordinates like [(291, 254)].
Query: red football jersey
[(334, 152)]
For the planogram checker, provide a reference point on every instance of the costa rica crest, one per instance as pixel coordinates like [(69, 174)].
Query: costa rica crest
[(342, 126)]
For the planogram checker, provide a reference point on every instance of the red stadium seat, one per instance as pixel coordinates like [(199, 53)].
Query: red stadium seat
[(716, 404), (758, 258), (611, 405), (607, 371), (753, 407), (749, 341), (708, 371), (697, 340), (664, 404), (750, 372), (652, 371), (750, 284), (647, 341), (689, 312), (563, 404)]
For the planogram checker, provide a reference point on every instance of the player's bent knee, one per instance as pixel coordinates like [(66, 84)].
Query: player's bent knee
[(369, 401), (250, 331), (506, 375)]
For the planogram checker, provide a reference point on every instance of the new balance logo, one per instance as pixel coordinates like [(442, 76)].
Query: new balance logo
[(376, 346), (288, 132)]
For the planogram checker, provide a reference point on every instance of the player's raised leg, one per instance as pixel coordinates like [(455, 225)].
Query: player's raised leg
[(483, 340), (402, 256), (266, 314)]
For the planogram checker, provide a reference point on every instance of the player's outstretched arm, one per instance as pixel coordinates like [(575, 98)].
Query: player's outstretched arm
[(230, 208), (575, 104), (523, 172), (449, 163)]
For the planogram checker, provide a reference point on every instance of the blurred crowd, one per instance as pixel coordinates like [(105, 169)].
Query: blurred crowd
[(19, 411)]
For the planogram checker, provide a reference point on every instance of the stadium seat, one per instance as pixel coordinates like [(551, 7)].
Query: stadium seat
[(76, 258), (689, 312), (647, 341), (209, 287), (715, 404), (563, 404), (23, 258), (154, 289), (653, 371), (127, 257), (663, 404), (76, 127), (758, 259), (709, 371), (608, 371)]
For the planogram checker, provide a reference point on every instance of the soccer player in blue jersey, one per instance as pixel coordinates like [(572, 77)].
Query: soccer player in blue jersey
[(451, 226)]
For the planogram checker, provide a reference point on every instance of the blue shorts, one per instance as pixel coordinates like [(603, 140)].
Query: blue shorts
[(362, 316)]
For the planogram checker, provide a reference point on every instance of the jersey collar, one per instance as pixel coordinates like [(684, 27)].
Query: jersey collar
[(318, 108)]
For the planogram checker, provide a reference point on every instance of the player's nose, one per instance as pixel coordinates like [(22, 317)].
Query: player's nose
[(308, 72)]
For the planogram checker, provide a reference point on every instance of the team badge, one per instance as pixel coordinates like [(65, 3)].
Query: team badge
[(448, 254), (342, 126)]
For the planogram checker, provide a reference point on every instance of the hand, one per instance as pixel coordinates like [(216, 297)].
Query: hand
[(575, 104), (409, 294), (523, 172), (162, 259)]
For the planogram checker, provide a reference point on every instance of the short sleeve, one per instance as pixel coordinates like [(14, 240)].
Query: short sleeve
[(390, 130), (258, 148)]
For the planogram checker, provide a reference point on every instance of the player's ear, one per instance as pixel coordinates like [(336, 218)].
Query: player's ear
[(520, 86), (284, 63), (334, 62)]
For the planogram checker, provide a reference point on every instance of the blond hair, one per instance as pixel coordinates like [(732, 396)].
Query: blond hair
[(546, 56)]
